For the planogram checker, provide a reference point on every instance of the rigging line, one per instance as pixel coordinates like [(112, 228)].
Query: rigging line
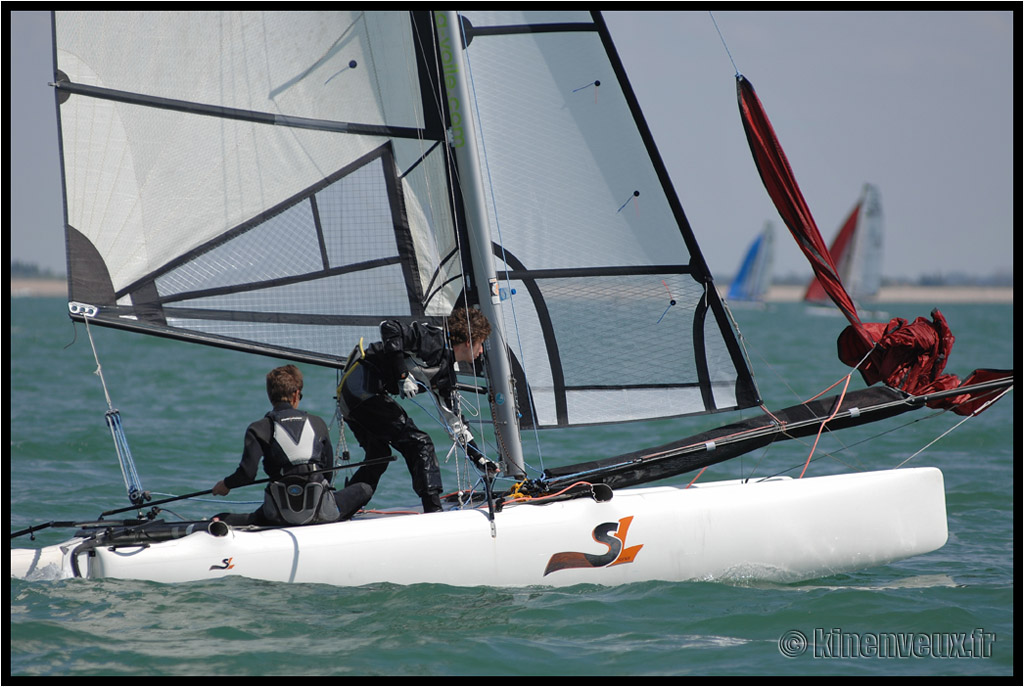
[(217, 500), (476, 405), (456, 234), (132, 480), (433, 85), (747, 344), (839, 404), (845, 447), (341, 449), (956, 426), (435, 94), (746, 474), (439, 419), (873, 437), (455, 181), (847, 377), (828, 454), (501, 243), (526, 499), (824, 454), (742, 341), (724, 44), (412, 77), (99, 368), (690, 484)]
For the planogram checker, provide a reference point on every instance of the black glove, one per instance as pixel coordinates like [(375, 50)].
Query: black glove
[(395, 366), (477, 456)]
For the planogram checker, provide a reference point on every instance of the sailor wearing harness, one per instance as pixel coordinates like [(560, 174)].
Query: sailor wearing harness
[(293, 444), (410, 358)]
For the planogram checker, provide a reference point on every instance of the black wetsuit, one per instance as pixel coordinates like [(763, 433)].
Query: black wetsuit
[(292, 444), (378, 422)]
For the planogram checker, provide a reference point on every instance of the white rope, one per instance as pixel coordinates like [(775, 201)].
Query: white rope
[(99, 368)]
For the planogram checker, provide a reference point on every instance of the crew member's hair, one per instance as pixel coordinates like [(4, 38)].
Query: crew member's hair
[(466, 325), (282, 382)]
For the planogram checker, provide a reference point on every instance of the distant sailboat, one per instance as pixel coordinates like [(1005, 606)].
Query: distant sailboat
[(857, 252), (755, 274)]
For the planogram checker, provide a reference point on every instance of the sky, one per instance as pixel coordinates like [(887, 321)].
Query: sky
[(920, 104)]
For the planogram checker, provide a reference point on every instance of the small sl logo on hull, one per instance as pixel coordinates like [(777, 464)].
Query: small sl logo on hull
[(225, 564)]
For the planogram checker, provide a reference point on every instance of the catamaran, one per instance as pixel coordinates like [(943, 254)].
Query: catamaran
[(279, 183)]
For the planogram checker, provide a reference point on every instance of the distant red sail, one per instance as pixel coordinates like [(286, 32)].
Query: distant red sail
[(837, 251)]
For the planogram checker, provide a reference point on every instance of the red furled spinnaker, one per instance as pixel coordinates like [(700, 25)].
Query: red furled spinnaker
[(907, 356)]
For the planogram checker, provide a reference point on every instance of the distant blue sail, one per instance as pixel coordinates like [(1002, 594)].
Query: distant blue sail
[(754, 276)]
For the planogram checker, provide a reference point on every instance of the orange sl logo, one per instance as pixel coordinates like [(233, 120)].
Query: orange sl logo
[(617, 553)]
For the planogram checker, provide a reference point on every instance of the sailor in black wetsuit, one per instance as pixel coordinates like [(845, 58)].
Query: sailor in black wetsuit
[(410, 358), (293, 444)]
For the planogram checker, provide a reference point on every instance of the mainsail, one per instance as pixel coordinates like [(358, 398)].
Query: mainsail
[(615, 311), (281, 182), (244, 180)]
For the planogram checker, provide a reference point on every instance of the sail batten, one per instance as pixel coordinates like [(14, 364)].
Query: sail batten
[(607, 271), (472, 32), (240, 288), (247, 115)]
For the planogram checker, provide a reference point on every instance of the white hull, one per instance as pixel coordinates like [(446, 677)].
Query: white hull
[(782, 529)]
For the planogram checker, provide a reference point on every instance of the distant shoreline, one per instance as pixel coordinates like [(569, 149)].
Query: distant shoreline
[(45, 288), (40, 288), (911, 294), (49, 288)]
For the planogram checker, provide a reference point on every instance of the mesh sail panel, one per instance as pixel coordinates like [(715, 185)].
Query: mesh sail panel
[(615, 314), (313, 277)]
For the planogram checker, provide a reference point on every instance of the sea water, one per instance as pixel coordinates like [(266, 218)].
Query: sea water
[(185, 408)]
